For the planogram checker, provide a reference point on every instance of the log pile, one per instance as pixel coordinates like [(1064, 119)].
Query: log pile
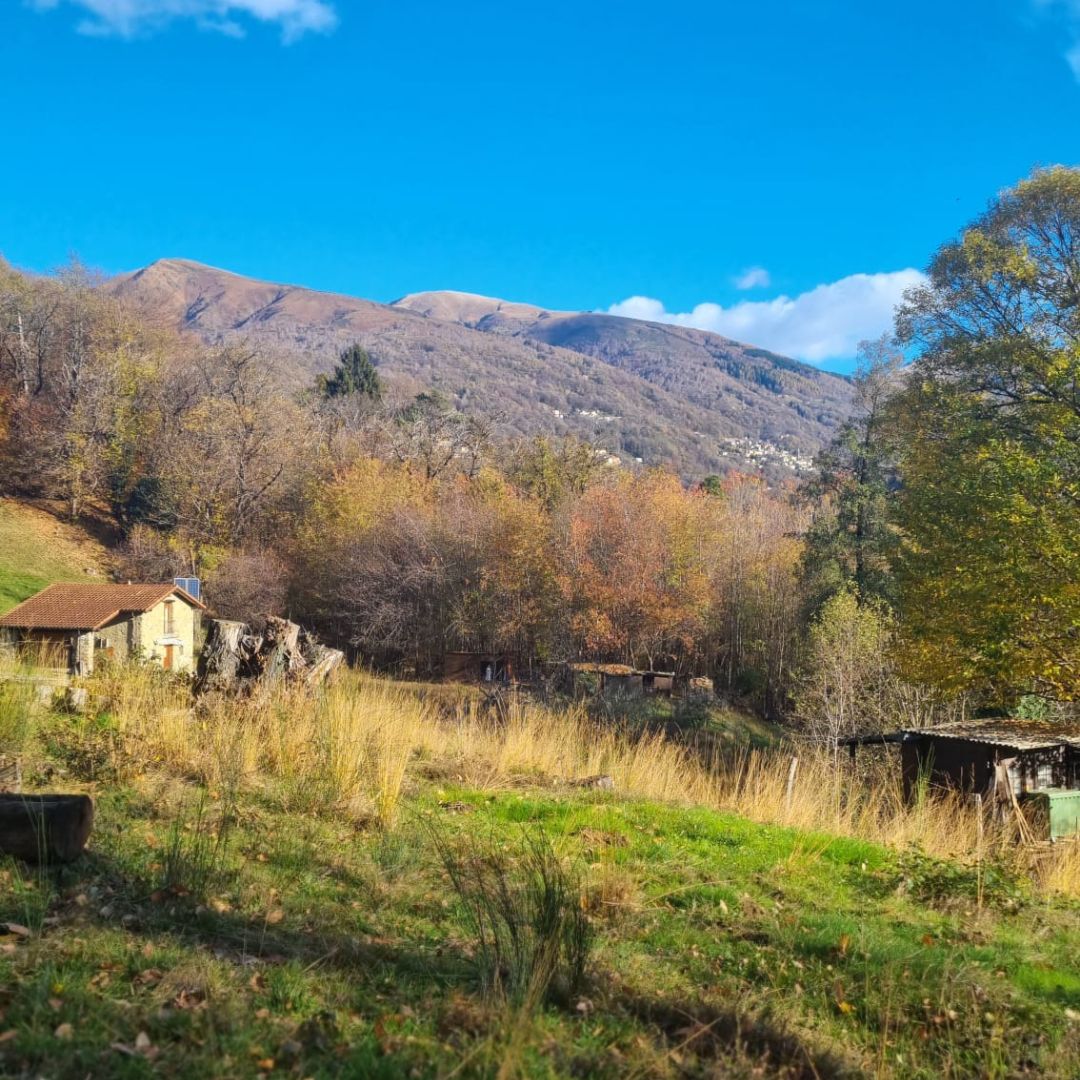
[(242, 658)]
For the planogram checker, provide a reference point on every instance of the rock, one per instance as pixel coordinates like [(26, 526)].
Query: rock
[(596, 783)]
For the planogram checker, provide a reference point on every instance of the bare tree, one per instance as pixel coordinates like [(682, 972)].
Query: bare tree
[(434, 434)]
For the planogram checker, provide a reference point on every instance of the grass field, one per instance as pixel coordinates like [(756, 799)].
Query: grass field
[(408, 914), (37, 548)]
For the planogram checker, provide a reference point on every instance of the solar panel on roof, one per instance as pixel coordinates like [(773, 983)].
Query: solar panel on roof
[(191, 585)]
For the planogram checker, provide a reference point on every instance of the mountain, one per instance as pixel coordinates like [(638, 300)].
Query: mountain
[(706, 369), (663, 394)]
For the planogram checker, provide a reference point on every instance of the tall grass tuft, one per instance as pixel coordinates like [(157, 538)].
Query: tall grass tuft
[(526, 910), (196, 851), (18, 705)]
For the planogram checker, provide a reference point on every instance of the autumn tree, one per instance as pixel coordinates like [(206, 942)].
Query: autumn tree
[(235, 440), (990, 456), (431, 434), (76, 370), (846, 674), (405, 567), (553, 470), (366, 573), (503, 563), (636, 568), (758, 598)]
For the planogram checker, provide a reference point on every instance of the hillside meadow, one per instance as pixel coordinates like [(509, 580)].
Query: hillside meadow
[(377, 881), (37, 548)]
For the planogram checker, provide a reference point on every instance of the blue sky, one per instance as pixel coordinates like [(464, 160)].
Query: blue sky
[(775, 170)]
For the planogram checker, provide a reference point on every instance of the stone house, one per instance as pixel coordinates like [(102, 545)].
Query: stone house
[(73, 626)]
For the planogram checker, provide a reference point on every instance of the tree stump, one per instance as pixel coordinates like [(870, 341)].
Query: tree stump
[(45, 828), (236, 658)]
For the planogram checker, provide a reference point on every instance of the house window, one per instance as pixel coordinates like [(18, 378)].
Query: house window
[(170, 623)]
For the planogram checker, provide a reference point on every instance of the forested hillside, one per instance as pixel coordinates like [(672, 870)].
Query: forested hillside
[(665, 395)]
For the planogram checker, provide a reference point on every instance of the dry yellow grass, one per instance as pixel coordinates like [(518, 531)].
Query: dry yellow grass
[(350, 750)]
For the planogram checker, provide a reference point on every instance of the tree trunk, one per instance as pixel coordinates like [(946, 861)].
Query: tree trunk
[(45, 828), (236, 659), (219, 663)]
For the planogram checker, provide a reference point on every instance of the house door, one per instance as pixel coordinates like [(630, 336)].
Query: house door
[(167, 663)]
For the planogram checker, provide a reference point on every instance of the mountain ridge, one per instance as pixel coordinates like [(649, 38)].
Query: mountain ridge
[(653, 392)]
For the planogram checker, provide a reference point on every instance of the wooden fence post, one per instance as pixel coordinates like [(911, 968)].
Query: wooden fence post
[(792, 770)]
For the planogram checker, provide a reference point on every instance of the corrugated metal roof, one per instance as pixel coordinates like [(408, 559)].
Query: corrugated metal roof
[(87, 607), (1008, 731)]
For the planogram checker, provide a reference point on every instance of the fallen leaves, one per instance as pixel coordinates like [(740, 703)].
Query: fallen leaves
[(598, 838), (190, 1000), (845, 1006), (142, 1047)]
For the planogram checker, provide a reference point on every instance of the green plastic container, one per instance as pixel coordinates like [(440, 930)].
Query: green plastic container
[(1054, 812)]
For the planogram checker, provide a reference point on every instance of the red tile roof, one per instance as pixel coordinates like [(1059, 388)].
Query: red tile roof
[(88, 607)]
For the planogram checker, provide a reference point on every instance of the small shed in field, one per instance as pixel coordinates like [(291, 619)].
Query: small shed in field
[(624, 679), (69, 627), (1026, 757), (658, 682), (477, 667), (608, 678)]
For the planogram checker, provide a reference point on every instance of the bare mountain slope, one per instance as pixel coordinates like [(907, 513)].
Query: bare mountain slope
[(663, 394)]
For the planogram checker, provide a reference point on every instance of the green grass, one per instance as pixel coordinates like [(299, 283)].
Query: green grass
[(36, 549), (723, 947)]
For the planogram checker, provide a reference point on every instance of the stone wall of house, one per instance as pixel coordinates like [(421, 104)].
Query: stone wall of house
[(84, 653), (115, 640), (151, 633)]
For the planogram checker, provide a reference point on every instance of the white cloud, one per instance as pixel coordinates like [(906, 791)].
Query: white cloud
[(826, 323), (1073, 57), (756, 277), (1067, 14), (129, 18)]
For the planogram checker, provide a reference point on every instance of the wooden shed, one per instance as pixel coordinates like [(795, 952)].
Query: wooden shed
[(477, 667), (658, 682), (1035, 755), (609, 678)]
